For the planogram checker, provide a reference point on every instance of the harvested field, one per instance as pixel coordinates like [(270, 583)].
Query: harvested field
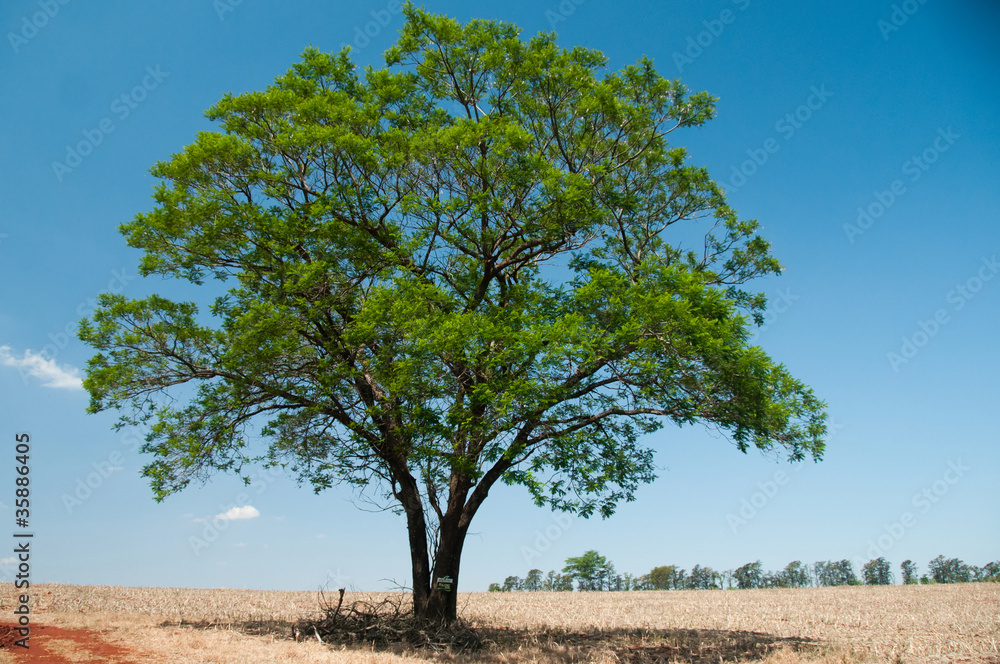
[(912, 624)]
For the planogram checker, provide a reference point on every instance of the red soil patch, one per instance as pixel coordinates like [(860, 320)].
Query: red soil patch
[(85, 643)]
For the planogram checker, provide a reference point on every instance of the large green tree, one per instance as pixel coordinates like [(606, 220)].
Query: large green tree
[(591, 571), (449, 272)]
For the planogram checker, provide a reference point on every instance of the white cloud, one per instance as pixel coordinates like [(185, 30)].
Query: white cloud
[(245, 512), (37, 366)]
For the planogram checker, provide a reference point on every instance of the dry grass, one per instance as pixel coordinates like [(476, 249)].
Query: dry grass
[(911, 625)]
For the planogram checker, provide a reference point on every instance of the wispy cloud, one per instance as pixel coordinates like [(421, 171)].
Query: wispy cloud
[(245, 512), (36, 366)]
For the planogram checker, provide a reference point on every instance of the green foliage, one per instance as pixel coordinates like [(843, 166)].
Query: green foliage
[(990, 571), (385, 232), (512, 583), (533, 581), (951, 570), (909, 571), (451, 271), (591, 571), (877, 572), (703, 578), (795, 575), (835, 573), (667, 577), (750, 575), (557, 582)]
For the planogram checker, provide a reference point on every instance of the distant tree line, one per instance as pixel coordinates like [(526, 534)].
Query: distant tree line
[(593, 572)]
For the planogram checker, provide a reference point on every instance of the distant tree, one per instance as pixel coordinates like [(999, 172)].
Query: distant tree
[(512, 583), (749, 576), (795, 575), (643, 582), (990, 572), (627, 581), (557, 582), (877, 572), (702, 578), (772, 580), (495, 588), (533, 581), (909, 572), (835, 573), (662, 577), (843, 573), (950, 570), (726, 579), (591, 571)]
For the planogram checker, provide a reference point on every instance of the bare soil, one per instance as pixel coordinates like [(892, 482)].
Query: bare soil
[(55, 645)]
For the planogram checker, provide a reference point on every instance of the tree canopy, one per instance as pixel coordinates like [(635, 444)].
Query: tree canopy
[(444, 273)]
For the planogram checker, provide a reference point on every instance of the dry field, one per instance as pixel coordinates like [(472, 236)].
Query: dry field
[(912, 625)]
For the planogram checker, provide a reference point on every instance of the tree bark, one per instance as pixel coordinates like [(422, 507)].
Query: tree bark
[(416, 527), (442, 604)]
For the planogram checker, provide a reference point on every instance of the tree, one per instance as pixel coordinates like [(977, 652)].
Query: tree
[(512, 583), (750, 575), (836, 573), (533, 581), (909, 571), (453, 271), (591, 571), (703, 578), (557, 582), (795, 575), (950, 570), (877, 572), (643, 582), (664, 577)]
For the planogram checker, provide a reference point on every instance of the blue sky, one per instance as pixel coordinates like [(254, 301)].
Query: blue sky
[(862, 135)]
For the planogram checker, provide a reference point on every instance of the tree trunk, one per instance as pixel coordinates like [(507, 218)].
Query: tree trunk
[(442, 605), (435, 596), (416, 527)]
